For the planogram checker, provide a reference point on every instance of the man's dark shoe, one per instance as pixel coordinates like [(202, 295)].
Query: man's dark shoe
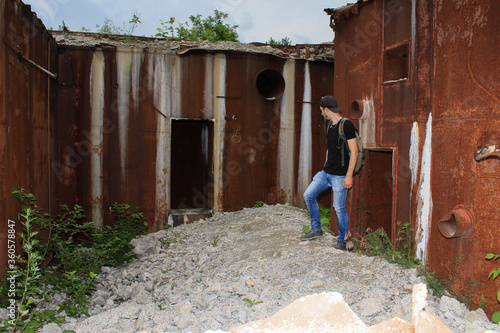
[(311, 235), (340, 246)]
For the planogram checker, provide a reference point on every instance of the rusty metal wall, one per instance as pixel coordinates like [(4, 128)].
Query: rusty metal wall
[(386, 119), (26, 118), (115, 111), (431, 115), (466, 114)]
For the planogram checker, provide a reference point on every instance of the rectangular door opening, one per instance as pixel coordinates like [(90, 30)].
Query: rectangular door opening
[(192, 187)]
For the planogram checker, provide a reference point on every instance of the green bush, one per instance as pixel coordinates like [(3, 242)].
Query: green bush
[(494, 274), (74, 251), (324, 217)]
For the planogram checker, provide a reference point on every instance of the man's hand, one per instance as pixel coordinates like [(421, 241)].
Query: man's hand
[(353, 147), (347, 182)]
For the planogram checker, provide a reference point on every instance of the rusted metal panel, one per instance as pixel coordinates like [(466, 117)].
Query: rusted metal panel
[(433, 113), (251, 119), (397, 18), (466, 109), (312, 81), (26, 116), (195, 74), (251, 124), (374, 209), (127, 148)]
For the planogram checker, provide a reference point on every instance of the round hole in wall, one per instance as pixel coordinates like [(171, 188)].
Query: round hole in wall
[(356, 109), (270, 84), (456, 223)]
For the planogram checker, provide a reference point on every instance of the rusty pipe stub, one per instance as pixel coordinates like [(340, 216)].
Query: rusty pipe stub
[(356, 109), (456, 223)]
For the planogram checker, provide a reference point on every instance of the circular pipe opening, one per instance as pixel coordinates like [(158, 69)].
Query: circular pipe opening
[(356, 109), (456, 223), (270, 84), (448, 228)]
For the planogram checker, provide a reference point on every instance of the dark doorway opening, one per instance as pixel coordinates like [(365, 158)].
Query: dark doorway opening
[(192, 188)]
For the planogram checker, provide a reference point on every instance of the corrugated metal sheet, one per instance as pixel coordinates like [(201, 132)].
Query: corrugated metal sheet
[(27, 130)]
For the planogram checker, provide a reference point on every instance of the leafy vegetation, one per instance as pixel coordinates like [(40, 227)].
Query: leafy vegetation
[(493, 275), (377, 243), (252, 302), (212, 28), (258, 204), (108, 26), (29, 275), (74, 252), (215, 241), (285, 41), (324, 217)]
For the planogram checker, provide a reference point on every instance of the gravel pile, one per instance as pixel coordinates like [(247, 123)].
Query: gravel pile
[(233, 268)]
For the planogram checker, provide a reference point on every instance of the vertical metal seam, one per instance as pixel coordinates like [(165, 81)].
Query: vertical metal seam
[(305, 148), (96, 134), (219, 113)]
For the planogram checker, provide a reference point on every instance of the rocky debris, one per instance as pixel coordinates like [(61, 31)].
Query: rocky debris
[(239, 267), (323, 51), (325, 312)]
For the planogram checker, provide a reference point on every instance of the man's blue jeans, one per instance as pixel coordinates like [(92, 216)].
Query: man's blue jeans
[(321, 182)]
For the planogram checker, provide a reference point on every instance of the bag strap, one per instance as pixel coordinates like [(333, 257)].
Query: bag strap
[(344, 141)]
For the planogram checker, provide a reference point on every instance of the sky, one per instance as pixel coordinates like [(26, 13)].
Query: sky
[(304, 22)]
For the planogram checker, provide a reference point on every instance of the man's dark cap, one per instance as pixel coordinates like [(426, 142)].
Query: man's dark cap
[(330, 102)]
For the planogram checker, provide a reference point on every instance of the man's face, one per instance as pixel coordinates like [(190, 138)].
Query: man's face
[(322, 111)]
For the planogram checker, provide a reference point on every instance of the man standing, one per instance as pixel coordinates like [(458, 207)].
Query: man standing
[(337, 172)]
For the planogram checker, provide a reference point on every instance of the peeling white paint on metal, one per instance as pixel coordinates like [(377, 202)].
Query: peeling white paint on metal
[(414, 153), (123, 62), (219, 87), (208, 94), (162, 73), (151, 71), (96, 90), (128, 65), (305, 149), (287, 127), (424, 207), (135, 79), (175, 85), (367, 123)]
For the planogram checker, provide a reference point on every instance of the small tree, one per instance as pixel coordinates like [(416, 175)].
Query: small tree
[(109, 28), (211, 28), (284, 41)]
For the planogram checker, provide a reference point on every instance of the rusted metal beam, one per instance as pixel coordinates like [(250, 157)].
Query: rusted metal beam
[(20, 57)]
